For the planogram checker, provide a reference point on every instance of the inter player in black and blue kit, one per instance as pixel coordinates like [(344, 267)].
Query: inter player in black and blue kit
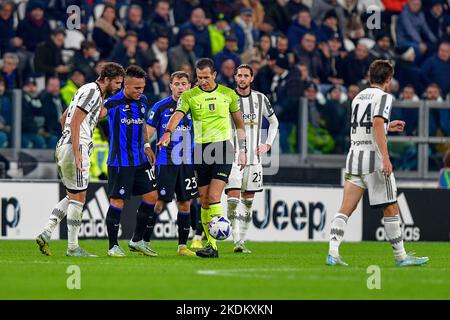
[(174, 163), (129, 170)]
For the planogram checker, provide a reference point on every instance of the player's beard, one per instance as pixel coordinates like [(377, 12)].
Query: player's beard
[(245, 87)]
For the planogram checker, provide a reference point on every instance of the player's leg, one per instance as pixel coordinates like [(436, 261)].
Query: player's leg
[(251, 183), (233, 192), (196, 224), (353, 192), (120, 186), (384, 193), (145, 186), (247, 201), (183, 222), (186, 189)]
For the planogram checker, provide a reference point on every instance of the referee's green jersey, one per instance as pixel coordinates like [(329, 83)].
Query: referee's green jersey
[(210, 112)]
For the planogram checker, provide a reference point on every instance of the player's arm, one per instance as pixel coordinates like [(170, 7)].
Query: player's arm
[(63, 119), (380, 139), (269, 114), (75, 124), (103, 112), (149, 131), (240, 130), (182, 109)]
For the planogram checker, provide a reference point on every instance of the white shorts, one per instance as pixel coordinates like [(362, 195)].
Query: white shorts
[(248, 180), (73, 179), (382, 190)]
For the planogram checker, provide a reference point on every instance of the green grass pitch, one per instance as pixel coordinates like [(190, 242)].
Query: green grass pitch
[(275, 270)]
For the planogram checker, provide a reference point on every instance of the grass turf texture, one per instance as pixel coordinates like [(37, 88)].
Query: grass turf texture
[(275, 270)]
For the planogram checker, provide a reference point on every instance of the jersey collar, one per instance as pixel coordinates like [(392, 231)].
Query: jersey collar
[(217, 85), (248, 95)]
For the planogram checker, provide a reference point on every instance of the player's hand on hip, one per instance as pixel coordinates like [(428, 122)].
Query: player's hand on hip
[(397, 126), (242, 160), (262, 149), (150, 155), (387, 167), (165, 140)]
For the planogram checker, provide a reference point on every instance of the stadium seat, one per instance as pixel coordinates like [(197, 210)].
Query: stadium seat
[(73, 39)]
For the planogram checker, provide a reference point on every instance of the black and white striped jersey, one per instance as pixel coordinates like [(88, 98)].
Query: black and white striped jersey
[(364, 156), (89, 99), (253, 108)]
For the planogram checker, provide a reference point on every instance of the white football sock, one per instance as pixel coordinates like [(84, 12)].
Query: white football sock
[(394, 235), (58, 213), (246, 218), (338, 225), (74, 220), (233, 217)]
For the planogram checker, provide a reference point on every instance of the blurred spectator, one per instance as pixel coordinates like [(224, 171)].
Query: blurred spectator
[(320, 8), (229, 52), (406, 70), (10, 73), (382, 48), (160, 21), (226, 76), (354, 31), (436, 69), (329, 27), (155, 88), (259, 52), (352, 92), (413, 30), (300, 26), (282, 49), (31, 129), (295, 6), (182, 9), (77, 79), (136, 23), (128, 52), (332, 60), (7, 32), (159, 51), (183, 53), (48, 58), (336, 116), (285, 87), (263, 79), (437, 18), (244, 29), (277, 17), (107, 31), (356, 64), (85, 59), (5, 115), (217, 33), (444, 173), (197, 24), (410, 116), (306, 53), (258, 11), (186, 67), (395, 6), (433, 93), (34, 28), (53, 108)]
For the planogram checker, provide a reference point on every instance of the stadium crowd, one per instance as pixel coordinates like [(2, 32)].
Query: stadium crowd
[(320, 50)]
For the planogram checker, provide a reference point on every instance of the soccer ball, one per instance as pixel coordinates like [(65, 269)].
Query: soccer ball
[(219, 228)]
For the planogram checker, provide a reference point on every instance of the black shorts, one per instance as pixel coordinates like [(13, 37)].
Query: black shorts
[(123, 182), (179, 180), (216, 162)]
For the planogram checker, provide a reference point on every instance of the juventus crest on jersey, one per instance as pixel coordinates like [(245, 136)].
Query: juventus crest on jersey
[(364, 156), (89, 99), (253, 108)]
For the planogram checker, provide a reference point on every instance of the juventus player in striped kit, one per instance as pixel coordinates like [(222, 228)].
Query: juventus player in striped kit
[(254, 105), (72, 155), (368, 166)]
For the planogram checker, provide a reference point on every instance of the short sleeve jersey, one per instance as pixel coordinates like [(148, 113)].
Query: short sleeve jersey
[(210, 112)]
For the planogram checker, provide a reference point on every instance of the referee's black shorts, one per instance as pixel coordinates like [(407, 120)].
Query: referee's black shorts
[(213, 161)]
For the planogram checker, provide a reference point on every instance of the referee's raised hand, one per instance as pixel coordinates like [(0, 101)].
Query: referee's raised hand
[(165, 140)]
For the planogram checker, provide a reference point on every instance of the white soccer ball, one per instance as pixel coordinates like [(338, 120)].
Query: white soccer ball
[(219, 228)]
